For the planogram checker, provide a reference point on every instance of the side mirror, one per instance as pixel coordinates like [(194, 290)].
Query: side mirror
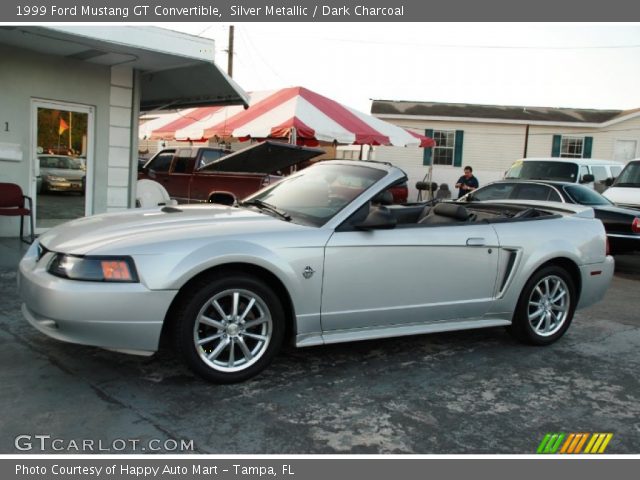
[(609, 181), (378, 219), (587, 178)]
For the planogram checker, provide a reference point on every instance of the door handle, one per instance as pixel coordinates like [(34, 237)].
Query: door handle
[(476, 242)]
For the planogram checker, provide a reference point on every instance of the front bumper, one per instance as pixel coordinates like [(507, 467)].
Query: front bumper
[(596, 278), (118, 316)]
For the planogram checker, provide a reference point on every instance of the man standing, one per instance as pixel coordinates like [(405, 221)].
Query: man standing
[(466, 183)]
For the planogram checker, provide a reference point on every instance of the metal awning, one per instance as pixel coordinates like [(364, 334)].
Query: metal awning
[(197, 85), (176, 69)]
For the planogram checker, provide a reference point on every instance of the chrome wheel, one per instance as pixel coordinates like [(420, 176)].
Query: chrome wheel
[(548, 305), (232, 330)]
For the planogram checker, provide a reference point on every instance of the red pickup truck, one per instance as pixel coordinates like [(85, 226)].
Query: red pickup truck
[(207, 174)]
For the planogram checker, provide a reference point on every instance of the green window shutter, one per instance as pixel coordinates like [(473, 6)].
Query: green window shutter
[(426, 152), (588, 145), (457, 152), (555, 145)]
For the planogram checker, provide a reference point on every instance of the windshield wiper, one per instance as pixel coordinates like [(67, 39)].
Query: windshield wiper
[(268, 207)]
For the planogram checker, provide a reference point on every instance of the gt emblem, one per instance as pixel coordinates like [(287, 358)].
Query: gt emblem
[(308, 272)]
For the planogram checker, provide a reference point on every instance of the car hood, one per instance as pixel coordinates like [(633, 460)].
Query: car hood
[(63, 172), (266, 157), (139, 227), (623, 195)]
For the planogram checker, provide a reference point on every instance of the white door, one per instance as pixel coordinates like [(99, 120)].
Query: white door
[(61, 162), (625, 150)]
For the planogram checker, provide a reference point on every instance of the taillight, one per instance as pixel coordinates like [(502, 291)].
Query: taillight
[(635, 226)]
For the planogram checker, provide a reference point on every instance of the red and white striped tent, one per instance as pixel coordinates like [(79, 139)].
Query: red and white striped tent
[(296, 111)]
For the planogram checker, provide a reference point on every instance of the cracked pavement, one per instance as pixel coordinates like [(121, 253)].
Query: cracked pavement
[(462, 392)]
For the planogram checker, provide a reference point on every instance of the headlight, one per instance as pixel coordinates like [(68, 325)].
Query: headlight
[(94, 269)]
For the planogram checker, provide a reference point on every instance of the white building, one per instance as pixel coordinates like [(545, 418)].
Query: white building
[(490, 137), (79, 91)]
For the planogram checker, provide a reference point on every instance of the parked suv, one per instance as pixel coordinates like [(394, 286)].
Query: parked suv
[(597, 174)]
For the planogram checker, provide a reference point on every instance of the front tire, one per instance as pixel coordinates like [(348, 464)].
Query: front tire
[(545, 308), (229, 329)]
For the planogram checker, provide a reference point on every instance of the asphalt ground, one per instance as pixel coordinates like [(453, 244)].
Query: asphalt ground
[(464, 392), (54, 208)]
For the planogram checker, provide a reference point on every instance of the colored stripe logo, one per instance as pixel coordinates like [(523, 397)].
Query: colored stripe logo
[(574, 443)]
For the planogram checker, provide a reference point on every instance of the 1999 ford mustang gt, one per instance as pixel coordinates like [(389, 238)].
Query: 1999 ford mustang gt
[(320, 257)]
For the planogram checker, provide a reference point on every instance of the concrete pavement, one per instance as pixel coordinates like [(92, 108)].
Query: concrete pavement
[(464, 392)]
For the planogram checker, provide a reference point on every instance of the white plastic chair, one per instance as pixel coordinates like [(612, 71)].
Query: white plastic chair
[(150, 194)]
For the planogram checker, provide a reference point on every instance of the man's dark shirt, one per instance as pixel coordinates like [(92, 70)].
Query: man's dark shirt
[(471, 182)]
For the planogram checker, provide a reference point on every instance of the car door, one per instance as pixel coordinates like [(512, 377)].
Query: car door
[(402, 276), (180, 175)]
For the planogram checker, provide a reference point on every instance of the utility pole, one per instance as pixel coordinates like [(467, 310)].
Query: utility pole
[(230, 52), (526, 141)]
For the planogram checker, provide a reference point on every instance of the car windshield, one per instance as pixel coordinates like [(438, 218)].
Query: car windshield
[(64, 163), (544, 170), (317, 193), (630, 176), (585, 196)]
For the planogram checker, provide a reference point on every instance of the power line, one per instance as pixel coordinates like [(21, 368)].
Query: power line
[(465, 46)]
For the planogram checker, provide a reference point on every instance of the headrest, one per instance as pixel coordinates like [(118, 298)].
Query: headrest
[(451, 210), (384, 198)]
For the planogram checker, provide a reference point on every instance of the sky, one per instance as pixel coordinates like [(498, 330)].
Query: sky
[(551, 65)]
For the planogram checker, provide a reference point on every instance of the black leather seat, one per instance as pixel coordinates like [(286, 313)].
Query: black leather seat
[(445, 213)]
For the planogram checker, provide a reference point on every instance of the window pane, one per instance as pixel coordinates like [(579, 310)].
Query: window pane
[(600, 173), (443, 151), (533, 192), (497, 191), (571, 147), (183, 165), (209, 156), (162, 162), (585, 196), (554, 196), (443, 156), (549, 170)]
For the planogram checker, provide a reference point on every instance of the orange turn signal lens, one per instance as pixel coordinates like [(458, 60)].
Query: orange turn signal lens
[(116, 270)]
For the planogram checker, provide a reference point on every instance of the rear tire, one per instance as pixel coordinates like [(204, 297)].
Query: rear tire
[(229, 328), (545, 308)]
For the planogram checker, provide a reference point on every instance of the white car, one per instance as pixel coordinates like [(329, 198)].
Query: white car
[(60, 173), (625, 191), (319, 257)]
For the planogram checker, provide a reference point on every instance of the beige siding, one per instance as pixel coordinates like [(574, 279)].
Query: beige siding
[(603, 138), (491, 148)]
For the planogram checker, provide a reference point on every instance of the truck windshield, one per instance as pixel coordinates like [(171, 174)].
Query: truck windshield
[(630, 176), (543, 170)]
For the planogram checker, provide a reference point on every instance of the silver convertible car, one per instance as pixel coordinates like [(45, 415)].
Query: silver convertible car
[(320, 257)]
